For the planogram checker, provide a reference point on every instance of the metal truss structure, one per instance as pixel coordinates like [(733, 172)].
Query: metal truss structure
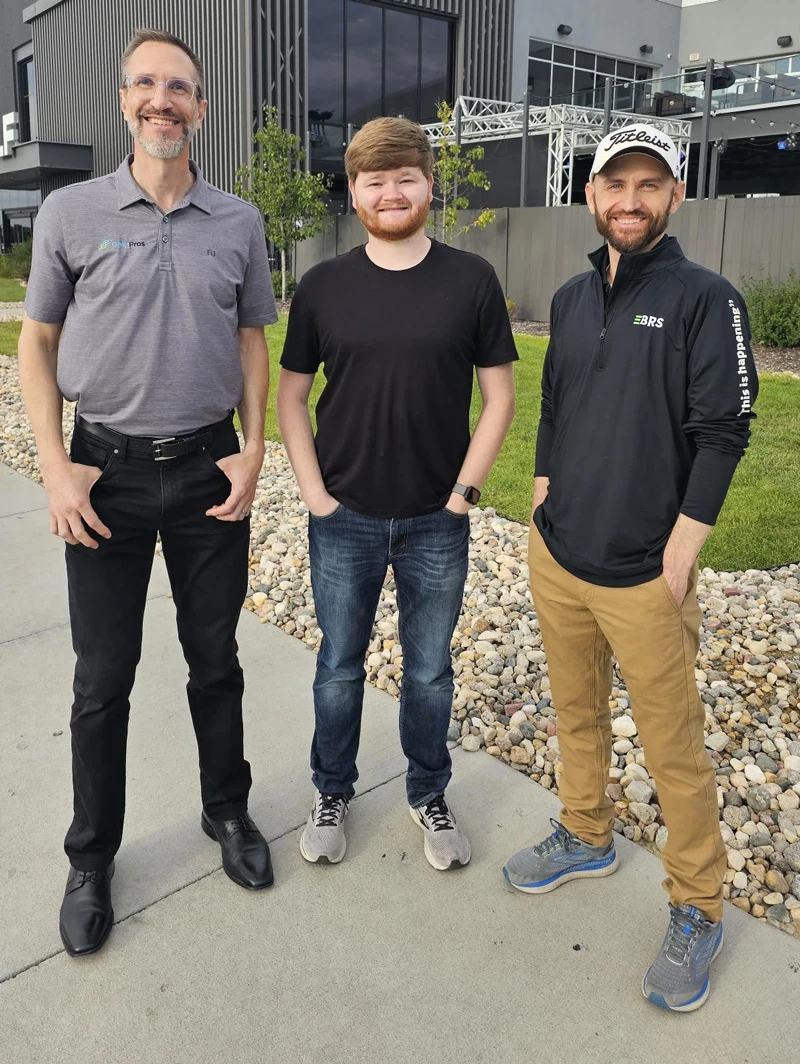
[(570, 131)]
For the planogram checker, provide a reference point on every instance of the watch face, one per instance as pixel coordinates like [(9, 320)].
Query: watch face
[(472, 495)]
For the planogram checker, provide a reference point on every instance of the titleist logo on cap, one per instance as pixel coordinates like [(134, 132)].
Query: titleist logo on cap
[(638, 136)]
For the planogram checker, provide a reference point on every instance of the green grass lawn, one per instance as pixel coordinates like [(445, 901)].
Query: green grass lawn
[(760, 524), (11, 291)]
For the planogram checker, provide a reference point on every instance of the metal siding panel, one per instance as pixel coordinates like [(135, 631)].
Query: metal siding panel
[(761, 238), (699, 227)]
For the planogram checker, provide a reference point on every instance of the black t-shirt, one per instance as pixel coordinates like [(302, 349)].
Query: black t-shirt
[(398, 349)]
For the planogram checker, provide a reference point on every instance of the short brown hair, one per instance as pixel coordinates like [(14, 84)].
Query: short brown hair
[(388, 144), (144, 36)]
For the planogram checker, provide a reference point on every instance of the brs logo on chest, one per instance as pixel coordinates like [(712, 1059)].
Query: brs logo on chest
[(106, 244), (649, 321)]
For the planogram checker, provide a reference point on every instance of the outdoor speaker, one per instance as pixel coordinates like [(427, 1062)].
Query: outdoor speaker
[(646, 49), (564, 30), (785, 42), (724, 77)]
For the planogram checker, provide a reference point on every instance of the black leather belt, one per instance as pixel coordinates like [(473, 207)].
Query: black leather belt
[(159, 450)]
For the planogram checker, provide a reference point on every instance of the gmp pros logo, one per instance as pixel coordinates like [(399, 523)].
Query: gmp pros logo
[(105, 245)]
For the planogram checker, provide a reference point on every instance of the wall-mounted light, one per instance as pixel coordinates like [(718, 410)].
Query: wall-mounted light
[(564, 29), (646, 49), (785, 41)]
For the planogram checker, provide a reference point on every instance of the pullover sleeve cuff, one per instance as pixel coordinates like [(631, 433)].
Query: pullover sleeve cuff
[(708, 485)]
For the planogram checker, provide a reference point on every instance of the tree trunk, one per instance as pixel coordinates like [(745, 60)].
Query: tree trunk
[(283, 275)]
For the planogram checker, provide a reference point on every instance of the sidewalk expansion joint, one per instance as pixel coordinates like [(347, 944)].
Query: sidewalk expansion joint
[(21, 513), (63, 624), (183, 886)]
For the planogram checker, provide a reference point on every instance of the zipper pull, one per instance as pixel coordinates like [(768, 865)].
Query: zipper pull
[(602, 334)]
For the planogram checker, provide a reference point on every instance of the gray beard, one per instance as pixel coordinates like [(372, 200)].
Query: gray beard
[(166, 149)]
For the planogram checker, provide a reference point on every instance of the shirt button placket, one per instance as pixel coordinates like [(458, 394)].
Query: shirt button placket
[(165, 241)]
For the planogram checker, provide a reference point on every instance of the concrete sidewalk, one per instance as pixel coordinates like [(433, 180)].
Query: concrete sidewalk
[(380, 959)]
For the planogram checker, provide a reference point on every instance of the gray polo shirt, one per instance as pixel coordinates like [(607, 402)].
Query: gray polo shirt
[(151, 301)]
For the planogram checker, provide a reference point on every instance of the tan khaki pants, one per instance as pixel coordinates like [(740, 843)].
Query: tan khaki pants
[(656, 643)]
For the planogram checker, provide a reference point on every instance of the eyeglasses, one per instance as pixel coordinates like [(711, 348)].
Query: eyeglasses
[(177, 88)]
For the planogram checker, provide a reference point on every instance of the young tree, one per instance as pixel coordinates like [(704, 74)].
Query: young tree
[(454, 175), (291, 201)]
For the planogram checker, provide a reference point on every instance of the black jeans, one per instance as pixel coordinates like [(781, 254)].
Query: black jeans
[(206, 560)]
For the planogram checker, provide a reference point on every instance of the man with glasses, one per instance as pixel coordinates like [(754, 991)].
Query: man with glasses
[(163, 283)]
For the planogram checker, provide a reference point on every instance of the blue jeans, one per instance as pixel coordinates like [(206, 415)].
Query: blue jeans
[(350, 554)]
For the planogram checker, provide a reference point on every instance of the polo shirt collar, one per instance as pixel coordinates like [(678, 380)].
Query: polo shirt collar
[(128, 192)]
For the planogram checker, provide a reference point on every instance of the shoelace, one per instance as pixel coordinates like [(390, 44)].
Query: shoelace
[(682, 934), (97, 875), (439, 815), (329, 809), (238, 823), (561, 839)]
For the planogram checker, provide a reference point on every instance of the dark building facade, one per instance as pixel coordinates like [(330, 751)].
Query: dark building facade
[(323, 64)]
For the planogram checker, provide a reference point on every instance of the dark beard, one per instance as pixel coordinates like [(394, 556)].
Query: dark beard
[(415, 221), (656, 227)]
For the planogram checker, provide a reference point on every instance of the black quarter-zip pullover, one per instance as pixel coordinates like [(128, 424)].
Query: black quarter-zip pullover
[(647, 398)]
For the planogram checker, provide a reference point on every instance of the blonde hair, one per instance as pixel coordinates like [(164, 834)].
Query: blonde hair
[(388, 144), (144, 36)]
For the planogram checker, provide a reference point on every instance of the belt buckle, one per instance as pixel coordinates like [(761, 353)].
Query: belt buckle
[(157, 455)]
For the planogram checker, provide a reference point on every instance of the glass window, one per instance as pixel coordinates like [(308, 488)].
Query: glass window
[(26, 95), (585, 60), (562, 82), (401, 72), (606, 65), (584, 89), (540, 50), (539, 80), (644, 73), (625, 70), (563, 55), (435, 76), (364, 36), (326, 58)]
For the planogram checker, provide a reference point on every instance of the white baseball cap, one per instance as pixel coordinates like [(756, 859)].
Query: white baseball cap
[(641, 138)]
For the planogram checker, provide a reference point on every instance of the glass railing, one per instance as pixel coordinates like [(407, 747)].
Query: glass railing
[(743, 85)]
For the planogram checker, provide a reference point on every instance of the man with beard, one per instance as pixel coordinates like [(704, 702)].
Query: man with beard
[(647, 397), (400, 324), (163, 284)]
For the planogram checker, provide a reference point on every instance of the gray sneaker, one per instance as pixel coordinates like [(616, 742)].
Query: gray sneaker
[(446, 845), (678, 979), (323, 838), (557, 859)]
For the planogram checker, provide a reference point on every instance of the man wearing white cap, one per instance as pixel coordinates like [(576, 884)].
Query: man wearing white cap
[(647, 396)]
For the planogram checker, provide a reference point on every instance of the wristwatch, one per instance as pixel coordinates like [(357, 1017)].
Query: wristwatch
[(472, 495)]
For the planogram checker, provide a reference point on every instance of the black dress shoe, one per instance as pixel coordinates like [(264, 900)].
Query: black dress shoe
[(245, 853), (86, 913)]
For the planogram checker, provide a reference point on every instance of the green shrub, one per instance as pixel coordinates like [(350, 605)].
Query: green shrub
[(511, 306), (291, 284), (774, 310), (16, 263)]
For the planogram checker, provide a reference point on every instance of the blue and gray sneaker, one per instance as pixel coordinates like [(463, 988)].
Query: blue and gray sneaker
[(560, 857), (678, 978)]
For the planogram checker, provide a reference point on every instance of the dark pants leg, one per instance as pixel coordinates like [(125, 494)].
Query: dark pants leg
[(107, 591), (349, 559), (430, 569), (207, 565)]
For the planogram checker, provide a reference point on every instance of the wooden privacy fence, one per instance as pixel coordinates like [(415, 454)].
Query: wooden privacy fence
[(536, 249)]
